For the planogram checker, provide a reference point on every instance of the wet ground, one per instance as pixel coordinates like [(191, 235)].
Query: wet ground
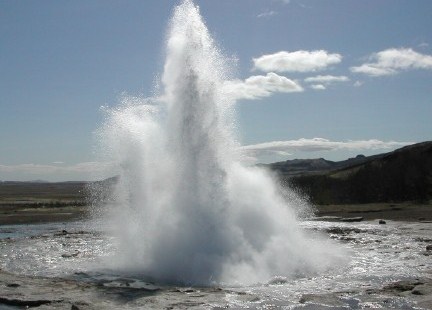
[(57, 266)]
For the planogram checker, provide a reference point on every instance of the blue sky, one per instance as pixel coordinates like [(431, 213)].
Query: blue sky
[(323, 78)]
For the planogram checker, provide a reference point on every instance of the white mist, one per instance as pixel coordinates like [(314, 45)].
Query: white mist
[(187, 210)]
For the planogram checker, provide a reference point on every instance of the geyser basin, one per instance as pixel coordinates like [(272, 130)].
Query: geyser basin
[(187, 210)]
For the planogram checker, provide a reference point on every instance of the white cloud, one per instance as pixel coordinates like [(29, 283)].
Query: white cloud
[(55, 171), (392, 61), (259, 86), (322, 81), (318, 144), (373, 70), (358, 83), (298, 61), (266, 14), (318, 87), (326, 79)]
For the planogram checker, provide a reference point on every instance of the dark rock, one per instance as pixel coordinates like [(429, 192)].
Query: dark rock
[(189, 290), (322, 299), (402, 286), (13, 285), (74, 307), (422, 289), (343, 230), (62, 233), (429, 247), (352, 219), (382, 222), (347, 238), (421, 239), (278, 280), (417, 292), (69, 255), (23, 303), (326, 218)]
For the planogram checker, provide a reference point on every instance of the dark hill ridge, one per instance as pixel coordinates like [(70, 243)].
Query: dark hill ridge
[(313, 166), (402, 175)]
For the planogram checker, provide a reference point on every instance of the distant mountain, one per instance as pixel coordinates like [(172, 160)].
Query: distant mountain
[(314, 166), (402, 175)]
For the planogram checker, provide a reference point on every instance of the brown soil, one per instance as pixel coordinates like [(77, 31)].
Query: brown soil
[(28, 214)]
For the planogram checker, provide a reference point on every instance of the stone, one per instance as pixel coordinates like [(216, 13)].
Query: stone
[(69, 255), (23, 303), (422, 289), (402, 286), (343, 230), (352, 219)]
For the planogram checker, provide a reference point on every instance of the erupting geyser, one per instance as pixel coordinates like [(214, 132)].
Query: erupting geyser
[(187, 210)]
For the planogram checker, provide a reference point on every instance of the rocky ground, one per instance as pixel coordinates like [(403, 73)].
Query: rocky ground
[(23, 292), (378, 286), (49, 293), (19, 290)]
